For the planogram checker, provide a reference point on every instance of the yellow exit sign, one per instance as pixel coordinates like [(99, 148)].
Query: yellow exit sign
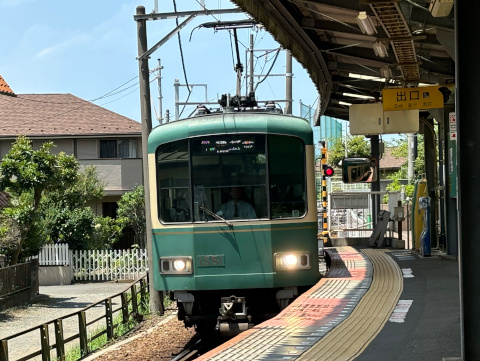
[(412, 98)]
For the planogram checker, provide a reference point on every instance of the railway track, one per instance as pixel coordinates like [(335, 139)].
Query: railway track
[(190, 353)]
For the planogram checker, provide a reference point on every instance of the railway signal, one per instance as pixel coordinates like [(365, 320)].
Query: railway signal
[(328, 171)]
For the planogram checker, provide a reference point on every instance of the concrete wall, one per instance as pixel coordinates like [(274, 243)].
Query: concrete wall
[(54, 275)]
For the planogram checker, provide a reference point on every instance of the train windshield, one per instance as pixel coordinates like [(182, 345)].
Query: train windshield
[(231, 177)]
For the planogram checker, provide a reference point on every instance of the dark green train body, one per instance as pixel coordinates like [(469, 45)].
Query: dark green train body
[(234, 215)]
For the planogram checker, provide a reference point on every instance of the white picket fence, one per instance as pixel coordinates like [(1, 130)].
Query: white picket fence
[(97, 265), (54, 255)]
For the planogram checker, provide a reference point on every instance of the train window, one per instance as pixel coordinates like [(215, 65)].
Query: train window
[(286, 156), (227, 169), (174, 182)]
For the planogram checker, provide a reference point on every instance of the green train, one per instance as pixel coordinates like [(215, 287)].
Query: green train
[(234, 216)]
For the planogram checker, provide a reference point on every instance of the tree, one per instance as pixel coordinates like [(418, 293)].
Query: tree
[(357, 147), (131, 212), (400, 150), (69, 220), (26, 174)]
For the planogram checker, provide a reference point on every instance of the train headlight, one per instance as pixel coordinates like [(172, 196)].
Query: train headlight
[(176, 265), (290, 260), (285, 261), (179, 265)]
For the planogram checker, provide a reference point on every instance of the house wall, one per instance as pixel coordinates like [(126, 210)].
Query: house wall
[(61, 145), (5, 146), (87, 149), (120, 175)]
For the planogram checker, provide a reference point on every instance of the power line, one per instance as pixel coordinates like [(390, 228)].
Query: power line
[(181, 56), (107, 94), (269, 70)]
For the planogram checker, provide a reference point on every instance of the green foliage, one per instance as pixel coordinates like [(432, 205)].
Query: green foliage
[(26, 174), (131, 213), (107, 231), (96, 342), (48, 202), (24, 169), (357, 147), (9, 234), (67, 218), (87, 187), (400, 150), (74, 226)]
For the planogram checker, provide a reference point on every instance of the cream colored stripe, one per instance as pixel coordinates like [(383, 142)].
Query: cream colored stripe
[(236, 230), (352, 336)]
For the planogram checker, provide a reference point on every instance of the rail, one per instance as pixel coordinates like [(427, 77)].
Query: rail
[(133, 300)]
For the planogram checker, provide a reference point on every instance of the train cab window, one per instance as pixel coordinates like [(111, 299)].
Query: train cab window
[(286, 156), (174, 182), (229, 170)]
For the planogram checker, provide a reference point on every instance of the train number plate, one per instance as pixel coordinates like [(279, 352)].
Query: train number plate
[(216, 260)]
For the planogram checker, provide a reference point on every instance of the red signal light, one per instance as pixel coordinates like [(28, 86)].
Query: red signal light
[(328, 171)]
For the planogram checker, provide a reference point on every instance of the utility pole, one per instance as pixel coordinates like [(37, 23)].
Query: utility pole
[(160, 97), (288, 90), (346, 140), (156, 297), (411, 158), (250, 89)]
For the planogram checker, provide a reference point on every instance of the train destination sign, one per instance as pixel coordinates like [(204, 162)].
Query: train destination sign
[(227, 145), (412, 98)]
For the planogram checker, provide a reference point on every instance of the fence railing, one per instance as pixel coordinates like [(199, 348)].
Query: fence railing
[(15, 279), (51, 340), (54, 255), (18, 284), (96, 265), (104, 265), (351, 214)]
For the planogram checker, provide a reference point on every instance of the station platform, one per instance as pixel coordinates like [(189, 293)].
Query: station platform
[(372, 304)]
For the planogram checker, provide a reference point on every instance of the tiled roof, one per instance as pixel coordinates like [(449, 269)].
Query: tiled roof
[(388, 161), (4, 88), (60, 115)]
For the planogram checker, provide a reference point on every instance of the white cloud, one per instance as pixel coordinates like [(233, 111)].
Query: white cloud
[(61, 48)]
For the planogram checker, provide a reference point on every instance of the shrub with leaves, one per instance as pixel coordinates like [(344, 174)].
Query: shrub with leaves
[(131, 213)]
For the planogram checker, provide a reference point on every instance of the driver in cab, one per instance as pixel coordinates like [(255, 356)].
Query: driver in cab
[(237, 208)]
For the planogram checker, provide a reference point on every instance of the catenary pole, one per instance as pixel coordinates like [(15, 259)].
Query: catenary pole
[(156, 297), (288, 84)]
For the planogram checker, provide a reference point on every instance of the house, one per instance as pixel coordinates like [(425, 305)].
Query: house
[(94, 135), (390, 164)]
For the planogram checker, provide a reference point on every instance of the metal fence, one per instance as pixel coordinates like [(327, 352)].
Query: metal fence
[(50, 340), (351, 214), (96, 265), (105, 265)]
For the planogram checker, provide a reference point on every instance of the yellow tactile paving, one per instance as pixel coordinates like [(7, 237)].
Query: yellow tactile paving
[(351, 337)]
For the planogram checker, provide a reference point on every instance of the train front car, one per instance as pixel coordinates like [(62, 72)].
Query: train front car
[(234, 216)]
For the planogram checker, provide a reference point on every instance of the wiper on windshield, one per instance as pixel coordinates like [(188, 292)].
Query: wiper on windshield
[(216, 216)]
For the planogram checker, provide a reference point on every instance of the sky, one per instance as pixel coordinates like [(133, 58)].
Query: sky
[(89, 48)]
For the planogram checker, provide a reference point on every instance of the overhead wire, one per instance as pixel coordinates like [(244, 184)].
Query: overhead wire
[(110, 92), (269, 70), (181, 56)]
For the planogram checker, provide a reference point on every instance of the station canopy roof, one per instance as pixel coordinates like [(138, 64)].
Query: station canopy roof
[(353, 49)]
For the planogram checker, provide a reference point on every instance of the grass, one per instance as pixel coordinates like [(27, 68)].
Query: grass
[(74, 353)]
